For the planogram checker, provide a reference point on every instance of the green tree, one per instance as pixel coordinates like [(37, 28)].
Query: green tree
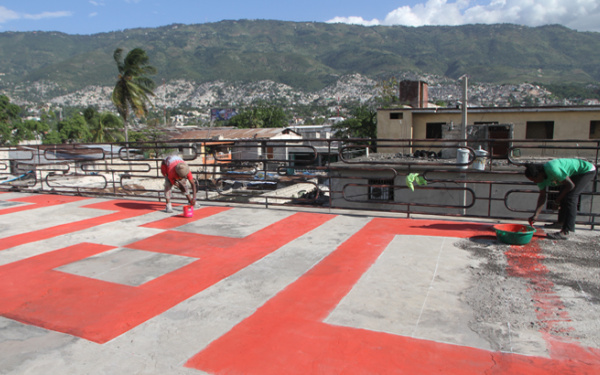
[(109, 128), (52, 138), (21, 132), (12, 129), (28, 130), (362, 123), (104, 127), (319, 120), (5, 133), (8, 112), (37, 127), (50, 118), (262, 116), (74, 130), (133, 84)]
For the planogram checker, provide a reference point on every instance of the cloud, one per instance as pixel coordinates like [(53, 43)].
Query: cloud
[(7, 15), (355, 21), (431, 13), (576, 14), (45, 15)]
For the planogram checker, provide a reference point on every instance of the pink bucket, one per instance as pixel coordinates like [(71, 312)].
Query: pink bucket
[(188, 211)]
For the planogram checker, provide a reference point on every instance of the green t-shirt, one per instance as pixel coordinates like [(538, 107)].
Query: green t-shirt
[(559, 169)]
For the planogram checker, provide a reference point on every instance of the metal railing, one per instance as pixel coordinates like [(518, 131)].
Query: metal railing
[(360, 174)]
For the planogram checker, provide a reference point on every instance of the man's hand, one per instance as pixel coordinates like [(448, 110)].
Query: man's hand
[(190, 200), (532, 220)]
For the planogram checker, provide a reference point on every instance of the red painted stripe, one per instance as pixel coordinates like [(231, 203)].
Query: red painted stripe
[(179, 220), (38, 201), (553, 317), (125, 209), (286, 335), (32, 292), (33, 279)]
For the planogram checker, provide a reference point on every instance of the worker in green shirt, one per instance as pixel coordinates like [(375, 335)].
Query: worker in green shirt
[(572, 175)]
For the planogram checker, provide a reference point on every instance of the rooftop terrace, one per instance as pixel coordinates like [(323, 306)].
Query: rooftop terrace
[(101, 285), (95, 278)]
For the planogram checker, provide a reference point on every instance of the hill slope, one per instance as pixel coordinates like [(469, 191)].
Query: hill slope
[(306, 56)]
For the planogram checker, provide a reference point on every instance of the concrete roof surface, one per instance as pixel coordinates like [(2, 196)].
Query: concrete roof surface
[(114, 286)]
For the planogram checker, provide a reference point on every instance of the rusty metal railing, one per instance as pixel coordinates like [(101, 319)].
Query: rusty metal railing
[(359, 174)]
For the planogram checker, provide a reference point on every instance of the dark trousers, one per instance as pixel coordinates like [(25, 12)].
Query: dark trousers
[(567, 213)]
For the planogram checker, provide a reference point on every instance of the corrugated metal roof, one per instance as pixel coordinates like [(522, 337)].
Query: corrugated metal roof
[(234, 133)]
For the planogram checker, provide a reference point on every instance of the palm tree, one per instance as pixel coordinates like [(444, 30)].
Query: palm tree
[(133, 85), (105, 128)]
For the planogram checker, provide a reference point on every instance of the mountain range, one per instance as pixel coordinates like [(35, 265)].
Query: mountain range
[(306, 56)]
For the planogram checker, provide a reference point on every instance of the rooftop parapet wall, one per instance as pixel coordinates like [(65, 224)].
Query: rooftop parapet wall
[(367, 176)]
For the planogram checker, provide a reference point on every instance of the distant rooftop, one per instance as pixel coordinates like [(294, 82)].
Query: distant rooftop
[(233, 133)]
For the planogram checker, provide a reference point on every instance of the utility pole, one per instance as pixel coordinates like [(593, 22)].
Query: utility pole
[(463, 135), (463, 125)]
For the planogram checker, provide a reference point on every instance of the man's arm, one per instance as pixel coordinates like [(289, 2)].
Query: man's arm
[(565, 187), (182, 187), (193, 201), (540, 204)]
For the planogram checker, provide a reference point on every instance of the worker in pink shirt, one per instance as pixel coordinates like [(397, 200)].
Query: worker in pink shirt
[(176, 171)]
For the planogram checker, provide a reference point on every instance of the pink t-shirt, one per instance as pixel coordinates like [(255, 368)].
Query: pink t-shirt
[(167, 168)]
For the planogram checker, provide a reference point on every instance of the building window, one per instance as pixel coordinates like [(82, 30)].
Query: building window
[(595, 129), (434, 130), (540, 130), (396, 115), (381, 190)]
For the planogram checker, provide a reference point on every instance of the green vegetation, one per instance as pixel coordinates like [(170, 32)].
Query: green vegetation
[(362, 123), (104, 127), (306, 56), (574, 90), (13, 129), (91, 126), (260, 116)]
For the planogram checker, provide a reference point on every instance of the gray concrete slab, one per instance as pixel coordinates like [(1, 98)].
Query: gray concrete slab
[(4, 204), (126, 266), (164, 343), (237, 223), (118, 233), (414, 289), (45, 217)]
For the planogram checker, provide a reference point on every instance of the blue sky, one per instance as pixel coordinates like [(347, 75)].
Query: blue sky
[(96, 16)]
